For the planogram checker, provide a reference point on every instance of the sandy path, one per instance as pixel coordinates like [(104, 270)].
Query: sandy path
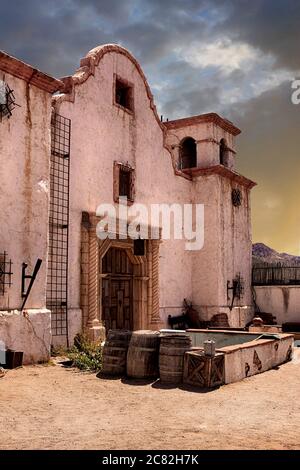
[(50, 407)]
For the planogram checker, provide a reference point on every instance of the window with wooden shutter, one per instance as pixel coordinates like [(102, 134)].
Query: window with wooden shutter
[(124, 182)]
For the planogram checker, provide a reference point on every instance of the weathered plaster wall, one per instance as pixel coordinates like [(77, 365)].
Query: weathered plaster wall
[(24, 201), (24, 196), (206, 262), (74, 327), (226, 252), (30, 333), (227, 237), (236, 249), (243, 361), (103, 132), (282, 301), (207, 136)]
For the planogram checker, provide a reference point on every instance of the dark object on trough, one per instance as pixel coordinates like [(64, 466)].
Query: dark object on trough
[(291, 327), (179, 322), (188, 319), (13, 359), (222, 328)]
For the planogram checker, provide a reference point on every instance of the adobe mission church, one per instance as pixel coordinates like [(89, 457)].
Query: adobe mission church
[(67, 146)]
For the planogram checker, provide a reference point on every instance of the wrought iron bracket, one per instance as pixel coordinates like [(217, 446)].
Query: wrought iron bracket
[(237, 288), (25, 292), (7, 100)]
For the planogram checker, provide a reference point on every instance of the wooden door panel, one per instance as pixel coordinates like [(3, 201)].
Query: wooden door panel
[(117, 303)]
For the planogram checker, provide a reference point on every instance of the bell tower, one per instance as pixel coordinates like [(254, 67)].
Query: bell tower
[(221, 279)]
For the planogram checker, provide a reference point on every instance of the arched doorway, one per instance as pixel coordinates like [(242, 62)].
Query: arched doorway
[(117, 290), (145, 279)]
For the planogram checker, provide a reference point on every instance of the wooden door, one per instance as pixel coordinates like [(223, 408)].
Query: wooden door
[(117, 291), (117, 303)]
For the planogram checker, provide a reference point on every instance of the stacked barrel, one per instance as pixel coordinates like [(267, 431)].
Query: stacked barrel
[(145, 354), (171, 357), (114, 356)]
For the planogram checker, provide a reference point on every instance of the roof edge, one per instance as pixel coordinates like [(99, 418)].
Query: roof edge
[(87, 69), (222, 171), (29, 74), (228, 126)]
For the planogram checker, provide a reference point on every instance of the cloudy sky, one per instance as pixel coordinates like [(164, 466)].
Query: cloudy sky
[(234, 57)]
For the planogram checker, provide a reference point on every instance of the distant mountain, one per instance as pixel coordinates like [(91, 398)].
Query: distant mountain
[(263, 254)]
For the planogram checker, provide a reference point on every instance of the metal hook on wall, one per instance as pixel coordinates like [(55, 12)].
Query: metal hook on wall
[(25, 293)]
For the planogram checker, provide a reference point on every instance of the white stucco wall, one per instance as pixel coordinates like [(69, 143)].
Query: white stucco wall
[(24, 202), (207, 136), (30, 333), (227, 238), (24, 196), (255, 357), (236, 247), (282, 301), (103, 133), (226, 252)]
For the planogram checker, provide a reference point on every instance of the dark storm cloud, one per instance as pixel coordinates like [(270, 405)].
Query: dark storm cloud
[(271, 25), (54, 34), (49, 34), (268, 152), (64, 30), (276, 139), (188, 91), (114, 10)]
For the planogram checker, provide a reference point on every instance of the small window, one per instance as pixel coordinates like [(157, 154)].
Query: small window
[(124, 179), (124, 183), (188, 153), (124, 94), (223, 152)]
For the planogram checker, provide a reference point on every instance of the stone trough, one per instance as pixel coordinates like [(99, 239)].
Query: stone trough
[(182, 356), (246, 354)]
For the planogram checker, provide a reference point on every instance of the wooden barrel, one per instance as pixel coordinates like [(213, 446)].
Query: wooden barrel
[(142, 356), (115, 352), (171, 357)]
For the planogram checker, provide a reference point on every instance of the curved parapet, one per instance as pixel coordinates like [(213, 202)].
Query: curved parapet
[(87, 69)]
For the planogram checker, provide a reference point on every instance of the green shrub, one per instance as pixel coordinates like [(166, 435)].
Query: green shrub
[(86, 355)]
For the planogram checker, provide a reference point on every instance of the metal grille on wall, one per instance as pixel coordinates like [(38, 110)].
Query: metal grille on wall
[(57, 284), (275, 275)]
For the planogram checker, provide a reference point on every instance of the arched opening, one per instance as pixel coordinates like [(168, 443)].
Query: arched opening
[(188, 153), (223, 152)]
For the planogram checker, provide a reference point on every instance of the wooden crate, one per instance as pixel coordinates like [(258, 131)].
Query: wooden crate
[(203, 371)]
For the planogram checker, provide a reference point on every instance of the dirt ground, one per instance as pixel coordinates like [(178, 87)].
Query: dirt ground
[(51, 407)]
